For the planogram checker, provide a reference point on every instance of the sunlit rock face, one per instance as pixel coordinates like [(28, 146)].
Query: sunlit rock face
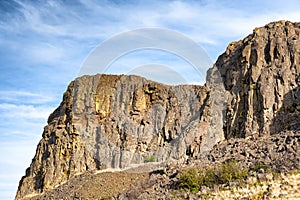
[(109, 121), (262, 76)]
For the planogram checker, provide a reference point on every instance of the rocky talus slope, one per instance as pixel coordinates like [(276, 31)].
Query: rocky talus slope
[(272, 162), (248, 111)]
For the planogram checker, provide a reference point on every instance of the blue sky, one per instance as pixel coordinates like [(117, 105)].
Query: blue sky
[(44, 43)]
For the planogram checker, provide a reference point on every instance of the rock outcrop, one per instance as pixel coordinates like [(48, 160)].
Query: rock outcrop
[(262, 76), (108, 122)]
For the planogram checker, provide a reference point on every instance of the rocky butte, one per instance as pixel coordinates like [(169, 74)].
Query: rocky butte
[(248, 110)]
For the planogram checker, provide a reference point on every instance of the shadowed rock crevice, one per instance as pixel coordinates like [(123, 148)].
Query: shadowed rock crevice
[(288, 116)]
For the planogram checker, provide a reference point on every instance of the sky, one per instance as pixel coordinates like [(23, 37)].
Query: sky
[(45, 44)]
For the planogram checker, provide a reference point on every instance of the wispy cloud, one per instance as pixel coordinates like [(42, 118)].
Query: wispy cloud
[(138, 61), (15, 155), (21, 127), (208, 22), (24, 97), (24, 111), (90, 22), (20, 122)]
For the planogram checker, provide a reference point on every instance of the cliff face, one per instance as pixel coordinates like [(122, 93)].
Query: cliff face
[(262, 76), (111, 122), (108, 121)]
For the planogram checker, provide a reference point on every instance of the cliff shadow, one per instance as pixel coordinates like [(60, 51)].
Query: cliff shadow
[(288, 116)]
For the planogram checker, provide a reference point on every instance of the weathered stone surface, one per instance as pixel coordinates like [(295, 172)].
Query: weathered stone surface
[(108, 121), (262, 76)]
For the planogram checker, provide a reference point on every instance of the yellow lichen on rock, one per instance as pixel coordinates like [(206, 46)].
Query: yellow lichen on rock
[(103, 95), (139, 100)]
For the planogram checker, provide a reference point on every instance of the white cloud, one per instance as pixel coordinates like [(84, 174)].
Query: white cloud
[(46, 52), (24, 111), (19, 122), (24, 97), (15, 157), (21, 127), (102, 20), (35, 18), (146, 58), (91, 22)]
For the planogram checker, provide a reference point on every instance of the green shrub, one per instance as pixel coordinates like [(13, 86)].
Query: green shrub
[(295, 172), (259, 165), (192, 179), (150, 159), (230, 171), (189, 179)]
